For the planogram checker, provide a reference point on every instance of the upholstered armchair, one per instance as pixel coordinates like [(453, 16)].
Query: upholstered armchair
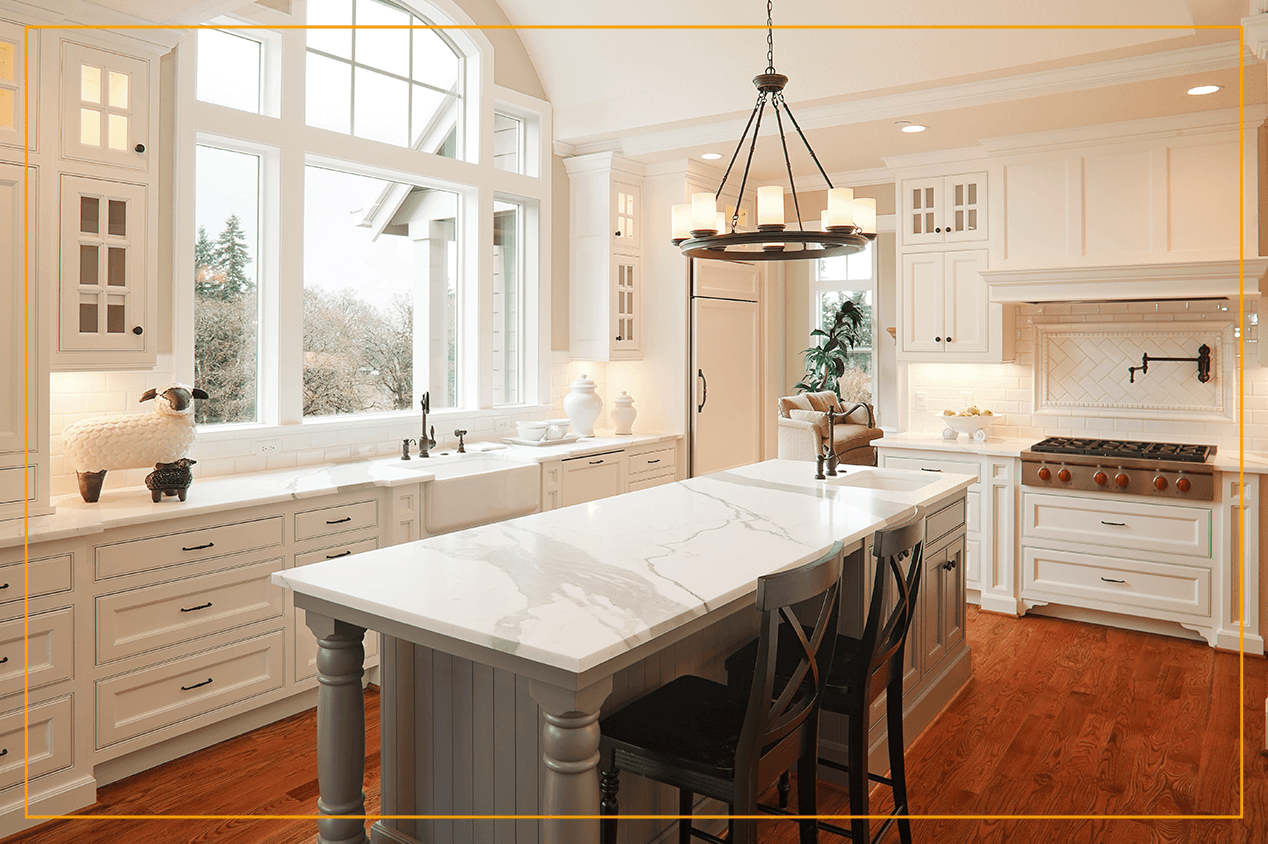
[(804, 428)]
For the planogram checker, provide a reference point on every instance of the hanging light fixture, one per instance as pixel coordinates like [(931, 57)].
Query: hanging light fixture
[(702, 231)]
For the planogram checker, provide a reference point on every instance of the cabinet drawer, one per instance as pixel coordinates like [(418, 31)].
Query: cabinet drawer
[(51, 650), (1117, 523), (1116, 584), (592, 476), (45, 577), (188, 546), (921, 464), (143, 701), (651, 461), (141, 620), (338, 519), (944, 521), (650, 479), (50, 741), (337, 551)]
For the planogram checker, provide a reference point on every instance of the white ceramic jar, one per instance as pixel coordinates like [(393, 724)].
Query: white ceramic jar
[(582, 405), (623, 413)]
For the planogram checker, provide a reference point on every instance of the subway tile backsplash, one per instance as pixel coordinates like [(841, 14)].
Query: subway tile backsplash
[(1094, 404), (80, 395)]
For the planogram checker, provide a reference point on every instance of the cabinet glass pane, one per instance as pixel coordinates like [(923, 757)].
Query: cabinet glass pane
[(118, 131), (929, 222), (118, 90), (915, 224), (114, 315), (87, 313), (8, 62), (972, 193), (90, 127), (972, 219), (959, 220), (118, 224), (959, 194), (8, 114), (89, 212), (88, 265), (915, 199), (90, 84), (928, 198), (117, 267)]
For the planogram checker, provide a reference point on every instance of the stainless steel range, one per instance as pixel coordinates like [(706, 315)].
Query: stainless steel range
[(1125, 467)]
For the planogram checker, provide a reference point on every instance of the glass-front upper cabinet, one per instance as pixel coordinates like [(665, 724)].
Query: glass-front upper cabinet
[(103, 306), (14, 86), (105, 107)]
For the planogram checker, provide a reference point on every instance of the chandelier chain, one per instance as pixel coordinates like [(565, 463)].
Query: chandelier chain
[(770, 39)]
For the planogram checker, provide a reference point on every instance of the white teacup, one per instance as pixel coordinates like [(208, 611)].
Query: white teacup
[(557, 429)]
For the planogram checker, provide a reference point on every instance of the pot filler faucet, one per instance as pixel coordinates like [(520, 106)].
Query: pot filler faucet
[(427, 440)]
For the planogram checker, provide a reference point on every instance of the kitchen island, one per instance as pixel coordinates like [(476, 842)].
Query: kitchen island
[(502, 643)]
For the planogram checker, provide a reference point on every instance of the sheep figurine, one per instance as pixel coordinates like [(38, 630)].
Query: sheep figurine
[(133, 440), (170, 479)]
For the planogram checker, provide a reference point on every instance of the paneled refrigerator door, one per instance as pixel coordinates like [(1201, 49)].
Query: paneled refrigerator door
[(726, 431)]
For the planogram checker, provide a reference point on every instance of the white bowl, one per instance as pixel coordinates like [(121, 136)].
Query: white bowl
[(975, 426), (531, 430)]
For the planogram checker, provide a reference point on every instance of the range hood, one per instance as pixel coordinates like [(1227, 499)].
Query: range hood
[(1127, 282)]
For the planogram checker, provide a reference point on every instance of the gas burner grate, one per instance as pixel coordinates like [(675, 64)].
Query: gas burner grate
[(1124, 448)]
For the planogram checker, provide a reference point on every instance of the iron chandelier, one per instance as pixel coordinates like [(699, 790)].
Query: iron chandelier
[(702, 231)]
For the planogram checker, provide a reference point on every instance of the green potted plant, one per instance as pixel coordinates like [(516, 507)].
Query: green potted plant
[(827, 359)]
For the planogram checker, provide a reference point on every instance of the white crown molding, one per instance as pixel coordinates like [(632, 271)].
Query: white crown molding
[(867, 176), (561, 149), (1255, 34), (1178, 280), (1140, 68)]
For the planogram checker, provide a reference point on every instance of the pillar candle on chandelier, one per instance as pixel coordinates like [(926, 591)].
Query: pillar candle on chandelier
[(770, 206), (704, 212), (840, 208)]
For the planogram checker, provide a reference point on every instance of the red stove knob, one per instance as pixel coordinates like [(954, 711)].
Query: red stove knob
[(1044, 473), (1121, 480), (1064, 476), (1101, 478), (1184, 485), (1160, 483)]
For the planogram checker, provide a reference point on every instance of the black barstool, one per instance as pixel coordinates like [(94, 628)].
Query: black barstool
[(863, 669), (728, 742)]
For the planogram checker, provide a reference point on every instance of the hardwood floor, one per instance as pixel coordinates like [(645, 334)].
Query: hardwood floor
[(1059, 719)]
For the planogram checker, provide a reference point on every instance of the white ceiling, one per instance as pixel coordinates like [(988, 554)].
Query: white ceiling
[(659, 92)]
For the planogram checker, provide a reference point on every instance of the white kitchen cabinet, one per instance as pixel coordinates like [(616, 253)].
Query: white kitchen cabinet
[(104, 306), (105, 107), (651, 465), (592, 476), (606, 311), (987, 564), (14, 84), (19, 333), (944, 209), (945, 314)]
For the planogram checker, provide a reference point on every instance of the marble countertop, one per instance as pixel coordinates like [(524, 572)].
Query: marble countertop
[(123, 506), (573, 588)]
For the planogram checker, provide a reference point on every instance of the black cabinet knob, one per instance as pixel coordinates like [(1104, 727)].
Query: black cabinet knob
[(937, 339), (138, 330), (140, 147), (948, 339)]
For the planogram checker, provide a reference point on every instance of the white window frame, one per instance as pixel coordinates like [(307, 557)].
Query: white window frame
[(820, 285), (287, 145)]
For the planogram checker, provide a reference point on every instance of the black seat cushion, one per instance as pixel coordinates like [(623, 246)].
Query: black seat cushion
[(739, 667), (691, 719)]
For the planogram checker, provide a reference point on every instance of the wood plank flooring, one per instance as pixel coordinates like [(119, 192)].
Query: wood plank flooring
[(1059, 718)]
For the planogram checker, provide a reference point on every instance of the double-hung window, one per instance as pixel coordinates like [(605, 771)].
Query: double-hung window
[(850, 278), (351, 249)]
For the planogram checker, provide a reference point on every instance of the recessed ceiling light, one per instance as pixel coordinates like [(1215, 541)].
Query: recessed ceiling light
[(711, 156), (914, 127), (1203, 89)]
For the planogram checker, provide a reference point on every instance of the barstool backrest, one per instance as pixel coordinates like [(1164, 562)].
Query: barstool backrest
[(885, 631), (776, 733)]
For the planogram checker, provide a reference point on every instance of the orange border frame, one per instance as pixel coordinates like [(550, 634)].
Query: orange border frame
[(25, 546)]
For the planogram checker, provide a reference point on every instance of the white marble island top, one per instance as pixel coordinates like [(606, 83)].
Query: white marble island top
[(571, 589)]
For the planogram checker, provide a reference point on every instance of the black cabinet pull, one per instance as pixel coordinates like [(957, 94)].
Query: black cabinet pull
[(338, 521), (3, 660), (704, 382), (923, 469), (6, 586), (596, 462), (650, 462), (1114, 524), (198, 547), (336, 556), (1112, 580), (196, 685), (195, 609), (948, 565), (4, 752)]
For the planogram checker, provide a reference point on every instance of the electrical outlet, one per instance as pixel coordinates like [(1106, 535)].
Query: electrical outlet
[(267, 446), (501, 424), (922, 401), (966, 396)]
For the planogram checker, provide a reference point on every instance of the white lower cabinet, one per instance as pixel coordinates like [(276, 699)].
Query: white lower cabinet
[(592, 476), (652, 465), (990, 538), (589, 477)]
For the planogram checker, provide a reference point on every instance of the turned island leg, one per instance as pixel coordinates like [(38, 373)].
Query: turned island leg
[(570, 760), (340, 730)]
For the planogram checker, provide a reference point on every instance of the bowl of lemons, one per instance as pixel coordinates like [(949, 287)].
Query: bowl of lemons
[(971, 421)]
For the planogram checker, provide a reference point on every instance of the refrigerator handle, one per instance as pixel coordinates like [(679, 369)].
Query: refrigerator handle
[(704, 398)]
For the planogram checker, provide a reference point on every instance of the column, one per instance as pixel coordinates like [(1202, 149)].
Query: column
[(340, 730), (570, 760)]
